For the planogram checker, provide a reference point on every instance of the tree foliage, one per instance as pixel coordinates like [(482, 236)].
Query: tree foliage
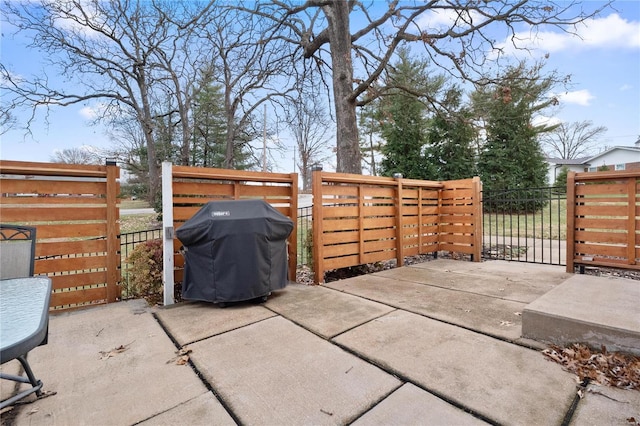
[(355, 42), (450, 137), (402, 116), (144, 60), (511, 157)]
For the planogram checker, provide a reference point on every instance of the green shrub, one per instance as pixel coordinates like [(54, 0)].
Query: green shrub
[(145, 269)]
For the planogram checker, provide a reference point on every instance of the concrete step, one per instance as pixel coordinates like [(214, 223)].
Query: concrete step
[(587, 309)]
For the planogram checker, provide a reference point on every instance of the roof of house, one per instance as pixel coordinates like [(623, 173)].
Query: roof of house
[(586, 161), (625, 148), (568, 161)]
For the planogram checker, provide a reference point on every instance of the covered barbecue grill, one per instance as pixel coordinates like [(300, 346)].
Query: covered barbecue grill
[(234, 251)]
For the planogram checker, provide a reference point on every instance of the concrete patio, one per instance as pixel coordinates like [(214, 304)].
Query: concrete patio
[(432, 343)]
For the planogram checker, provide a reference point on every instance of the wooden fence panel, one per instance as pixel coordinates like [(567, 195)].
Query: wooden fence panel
[(193, 187), (74, 209), (363, 219), (603, 219)]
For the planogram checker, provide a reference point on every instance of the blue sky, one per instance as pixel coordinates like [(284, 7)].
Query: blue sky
[(604, 64)]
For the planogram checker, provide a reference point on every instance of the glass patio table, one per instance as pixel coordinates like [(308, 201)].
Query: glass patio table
[(24, 321)]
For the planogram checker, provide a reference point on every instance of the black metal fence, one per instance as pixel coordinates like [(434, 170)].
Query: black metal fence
[(525, 225), (128, 242), (305, 236)]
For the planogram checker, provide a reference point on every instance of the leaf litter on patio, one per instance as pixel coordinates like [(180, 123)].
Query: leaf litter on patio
[(602, 367), (113, 352)]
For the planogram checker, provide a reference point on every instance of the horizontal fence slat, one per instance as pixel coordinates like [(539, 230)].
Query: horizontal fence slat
[(43, 266), (59, 282), (53, 248), (54, 200), (70, 231), (49, 213), (88, 296), (44, 187)]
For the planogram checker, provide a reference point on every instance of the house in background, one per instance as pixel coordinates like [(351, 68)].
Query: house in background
[(615, 158)]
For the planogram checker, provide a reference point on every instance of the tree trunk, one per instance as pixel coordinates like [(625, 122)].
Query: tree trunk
[(147, 128), (348, 155)]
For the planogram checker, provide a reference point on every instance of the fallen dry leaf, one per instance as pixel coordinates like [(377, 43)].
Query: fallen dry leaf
[(114, 352), (604, 368), (182, 356)]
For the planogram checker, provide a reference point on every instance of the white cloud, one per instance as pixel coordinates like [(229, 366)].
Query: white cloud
[(447, 18), (75, 20), (93, 112), (579, 97), (625, 87), (611, 32), (542, 120)]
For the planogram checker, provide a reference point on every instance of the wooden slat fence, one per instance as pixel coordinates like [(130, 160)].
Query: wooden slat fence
[(603, 219), (364, 219), (76, 215), (187, 189)]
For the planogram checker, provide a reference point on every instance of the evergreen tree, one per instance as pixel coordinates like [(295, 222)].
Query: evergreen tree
[(403, 121), (210, 130), (370, 144), (450, 137), (511, 157)]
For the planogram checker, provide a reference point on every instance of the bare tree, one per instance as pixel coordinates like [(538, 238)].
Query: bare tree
[(572, 140), (250, 71), (81, 155), (358, 40), (309, 126), (123, 54)]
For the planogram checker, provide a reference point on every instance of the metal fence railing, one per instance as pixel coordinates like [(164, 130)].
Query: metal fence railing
[(525, 225), (305, 236), (128, 242)]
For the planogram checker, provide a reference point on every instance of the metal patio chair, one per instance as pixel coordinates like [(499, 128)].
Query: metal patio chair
[(24, 306)]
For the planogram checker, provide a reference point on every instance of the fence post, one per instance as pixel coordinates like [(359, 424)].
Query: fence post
[(571, 217), (293, 239), (399, 221), (631, 220), (318, 261), (476, 184), (113, 232), (167, 233)]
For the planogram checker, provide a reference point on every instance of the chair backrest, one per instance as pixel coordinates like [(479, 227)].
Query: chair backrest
[(17, 251)]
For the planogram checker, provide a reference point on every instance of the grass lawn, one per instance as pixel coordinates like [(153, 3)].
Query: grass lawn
[(549, 223)]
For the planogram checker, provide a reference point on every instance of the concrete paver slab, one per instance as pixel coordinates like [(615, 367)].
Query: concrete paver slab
[(517, 270), (603, 405), (275, 372), (499, 380), (490, 315), (579, 310), (509, 287), (192, 321), (410, 405), (201, 410), (308, 306), (108, 366)]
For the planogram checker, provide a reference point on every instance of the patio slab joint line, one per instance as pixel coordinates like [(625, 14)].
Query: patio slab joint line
[(453, 289), (397, 308), (406, 379), (375, 404), (200, 376)]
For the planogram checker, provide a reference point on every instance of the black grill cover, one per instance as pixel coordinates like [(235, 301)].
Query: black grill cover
[(234, 251)]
